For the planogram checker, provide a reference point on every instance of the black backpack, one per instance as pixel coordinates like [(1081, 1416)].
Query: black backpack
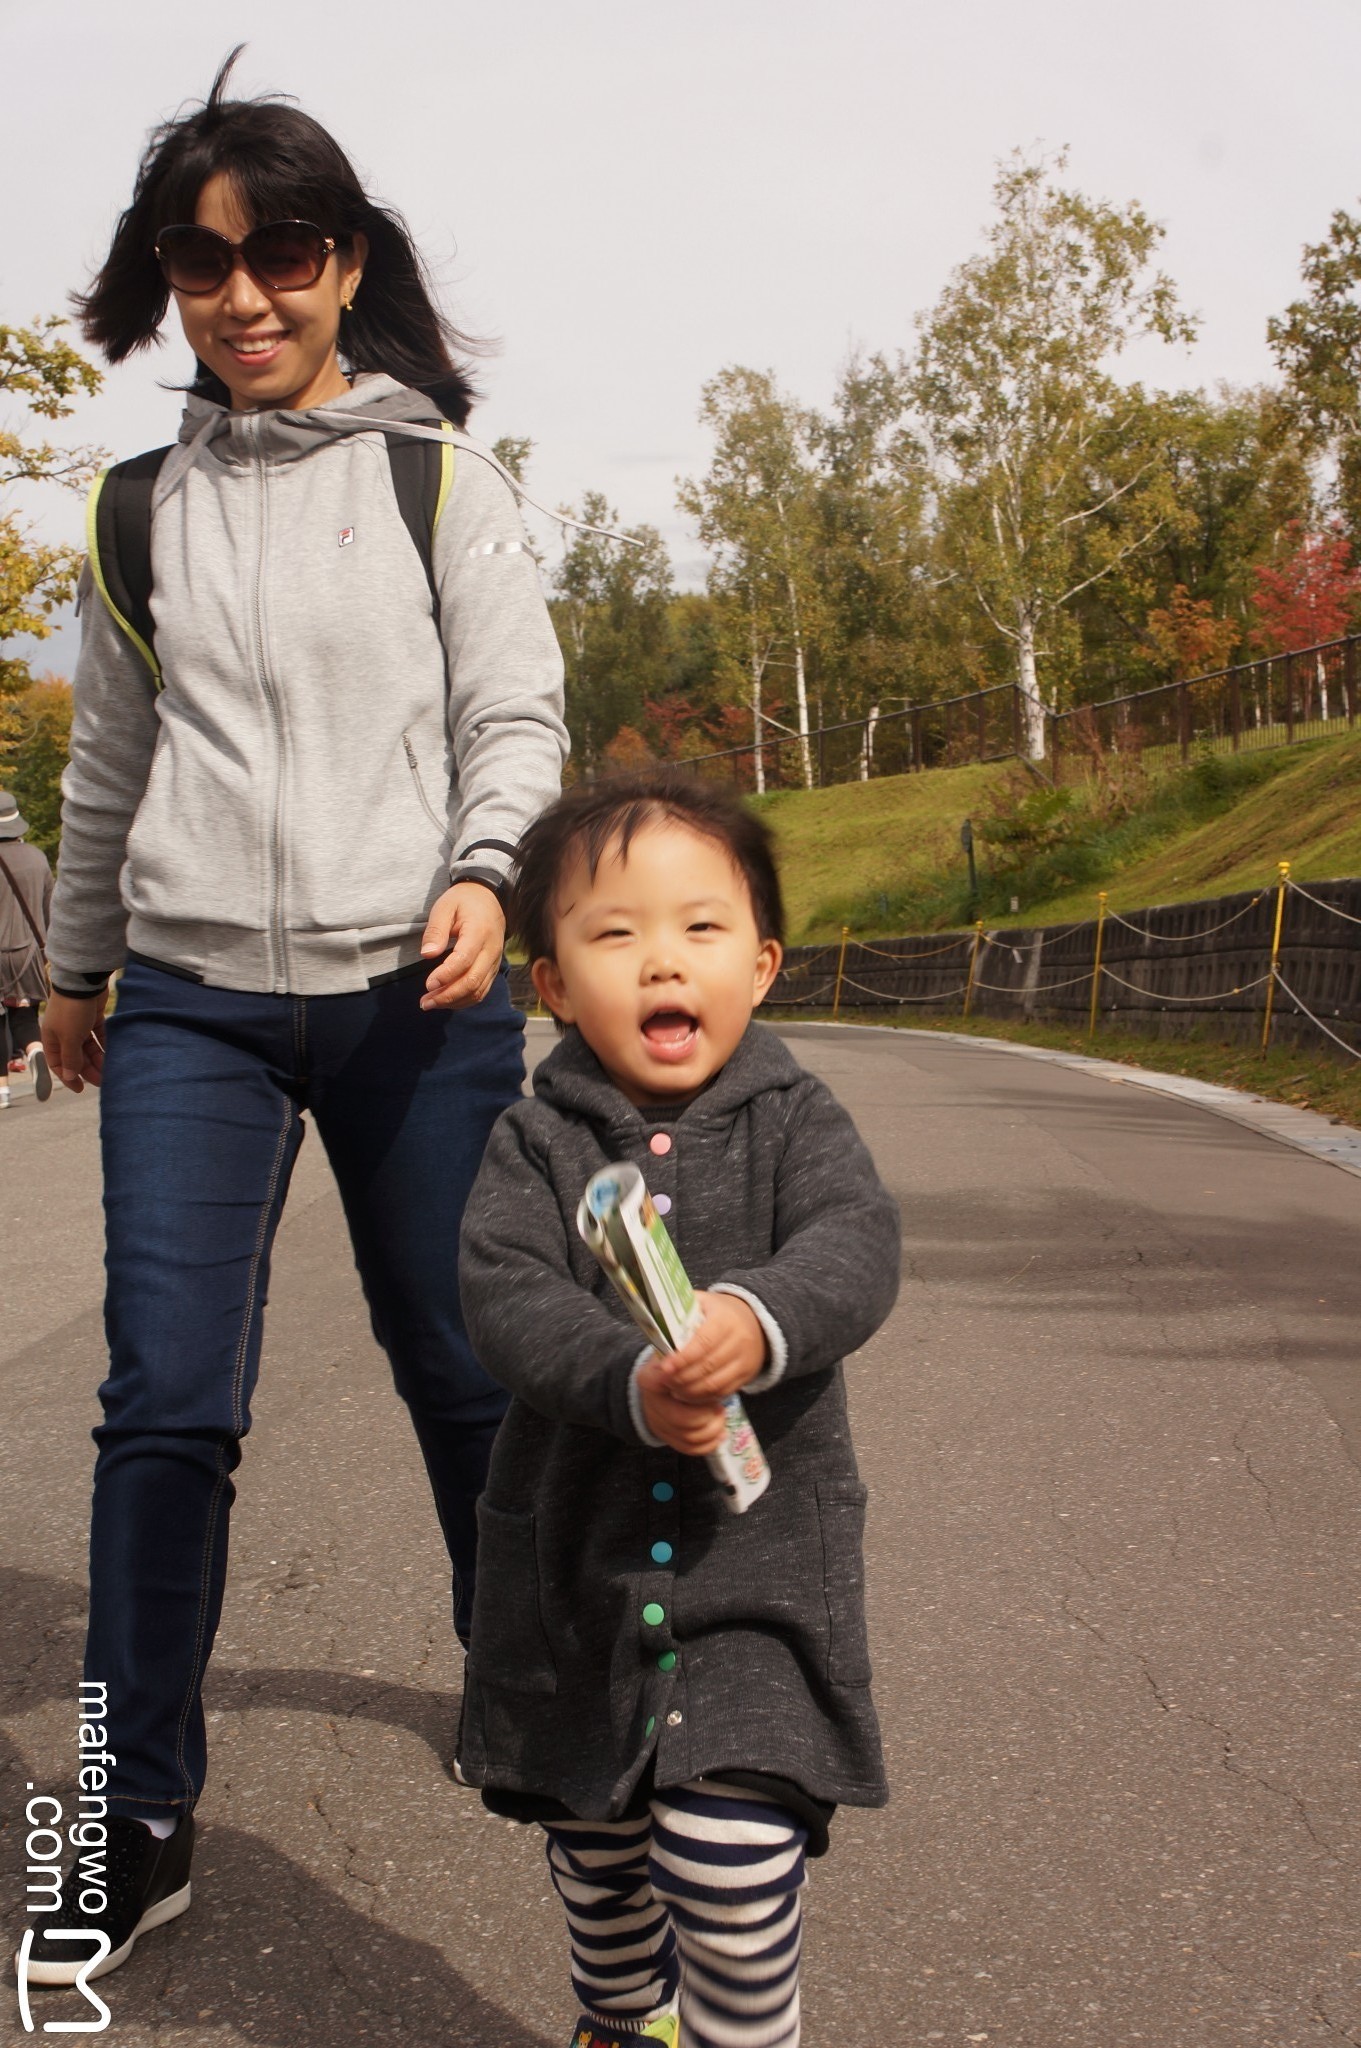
[(118, 527)]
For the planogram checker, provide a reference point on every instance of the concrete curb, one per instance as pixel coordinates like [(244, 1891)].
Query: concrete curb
[(1304, 1129)]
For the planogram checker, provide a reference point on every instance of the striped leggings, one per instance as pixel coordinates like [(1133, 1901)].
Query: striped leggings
[(699, 1897)]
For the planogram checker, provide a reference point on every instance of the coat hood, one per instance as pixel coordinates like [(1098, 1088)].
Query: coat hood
[(240, 437), (572, 1079)]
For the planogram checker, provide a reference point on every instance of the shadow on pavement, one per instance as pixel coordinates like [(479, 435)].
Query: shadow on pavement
[(266, 1950)]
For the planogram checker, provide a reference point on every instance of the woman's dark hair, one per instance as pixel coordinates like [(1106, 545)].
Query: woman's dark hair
[(587, 821), (284, 166)]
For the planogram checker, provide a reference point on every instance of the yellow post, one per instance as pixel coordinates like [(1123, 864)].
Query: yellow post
[(840, 970), (1283, 883), (1096, 960), (973, 965)]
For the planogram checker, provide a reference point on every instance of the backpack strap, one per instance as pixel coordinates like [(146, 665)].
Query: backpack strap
[(422, 477), (118, 536)]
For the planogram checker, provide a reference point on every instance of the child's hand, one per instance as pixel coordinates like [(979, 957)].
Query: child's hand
[(694, 1428), (727, 1350)]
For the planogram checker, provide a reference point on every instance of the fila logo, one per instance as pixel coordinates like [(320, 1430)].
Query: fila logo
[(345, 537)]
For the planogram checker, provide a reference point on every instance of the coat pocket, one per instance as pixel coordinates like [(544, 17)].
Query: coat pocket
[(510, 1647), (841, 1517)]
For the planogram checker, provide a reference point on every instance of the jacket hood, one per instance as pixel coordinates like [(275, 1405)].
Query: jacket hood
[(572, 1079), (240, 437)]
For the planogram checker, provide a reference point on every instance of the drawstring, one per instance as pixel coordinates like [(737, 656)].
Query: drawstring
[(183, 456), (180, 461), (416, 431)]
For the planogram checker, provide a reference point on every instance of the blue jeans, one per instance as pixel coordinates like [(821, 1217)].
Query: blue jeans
[(201, 1122)]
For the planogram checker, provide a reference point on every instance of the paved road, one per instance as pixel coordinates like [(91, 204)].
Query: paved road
[(1111, 1434)]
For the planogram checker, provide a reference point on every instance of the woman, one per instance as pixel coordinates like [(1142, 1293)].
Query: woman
[(298, 845)]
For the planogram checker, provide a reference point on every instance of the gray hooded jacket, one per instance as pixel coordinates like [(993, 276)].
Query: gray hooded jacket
[(282, 815), (624, 1619)]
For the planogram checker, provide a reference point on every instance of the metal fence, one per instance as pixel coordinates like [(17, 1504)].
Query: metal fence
[(1272, 702)]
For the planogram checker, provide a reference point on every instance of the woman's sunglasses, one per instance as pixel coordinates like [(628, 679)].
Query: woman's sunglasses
[(286, 256)]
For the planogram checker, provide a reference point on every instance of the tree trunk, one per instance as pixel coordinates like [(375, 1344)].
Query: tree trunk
[(1032, 704), (800, 686), (1322, 688), (867, 746)]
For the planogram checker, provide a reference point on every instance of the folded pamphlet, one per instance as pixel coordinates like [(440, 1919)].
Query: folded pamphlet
[(618, 1220)]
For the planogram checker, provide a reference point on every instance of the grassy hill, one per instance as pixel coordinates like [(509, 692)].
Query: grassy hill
[(884, 857)]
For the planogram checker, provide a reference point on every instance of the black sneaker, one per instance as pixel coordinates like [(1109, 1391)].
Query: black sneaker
[(145, 1883), (36, 1061)]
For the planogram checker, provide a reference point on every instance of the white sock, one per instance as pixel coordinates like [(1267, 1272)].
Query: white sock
[(162, 1827)]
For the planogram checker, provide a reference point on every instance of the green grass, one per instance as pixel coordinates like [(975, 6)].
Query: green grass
[(1303, 1078), (884, 857)]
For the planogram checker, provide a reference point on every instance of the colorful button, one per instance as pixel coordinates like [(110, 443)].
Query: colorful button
[(650, 1724), (667, 1661), (662, 1553), (663, 1490), (662, 1204), (660, 1143), (654, 1615)]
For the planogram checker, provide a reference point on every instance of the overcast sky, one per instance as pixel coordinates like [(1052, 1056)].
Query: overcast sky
[(630, 197)]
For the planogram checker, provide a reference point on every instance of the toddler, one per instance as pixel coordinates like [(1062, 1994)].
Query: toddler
[(677, 1694)]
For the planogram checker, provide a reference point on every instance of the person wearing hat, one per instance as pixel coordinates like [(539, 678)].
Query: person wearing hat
[(25, 899)]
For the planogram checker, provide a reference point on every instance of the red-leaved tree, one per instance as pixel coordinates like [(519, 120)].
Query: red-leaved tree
[(1306, 599)]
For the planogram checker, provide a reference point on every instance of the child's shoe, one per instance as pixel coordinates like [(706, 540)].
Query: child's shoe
[(591, 2033)]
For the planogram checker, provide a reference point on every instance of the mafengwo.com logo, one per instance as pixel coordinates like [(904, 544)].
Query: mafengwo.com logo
[(49, 1834)]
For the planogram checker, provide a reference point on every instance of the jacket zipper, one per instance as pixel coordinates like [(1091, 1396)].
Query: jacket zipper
[(441, 825), (278, 934)]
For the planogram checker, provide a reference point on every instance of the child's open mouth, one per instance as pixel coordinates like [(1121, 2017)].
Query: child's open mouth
[(671, 1034)]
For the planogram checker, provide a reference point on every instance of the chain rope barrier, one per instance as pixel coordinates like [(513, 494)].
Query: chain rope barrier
[(881, 995), (1188, 938), (1002, 988), (1098, 972), (1318, 901), (1156, 996), (935, 951), (1317, 1022)]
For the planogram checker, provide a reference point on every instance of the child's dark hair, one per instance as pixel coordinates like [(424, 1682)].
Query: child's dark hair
[(587, 821), (283, 165)]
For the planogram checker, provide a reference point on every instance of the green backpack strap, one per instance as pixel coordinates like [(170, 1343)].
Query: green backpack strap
[(118, 527), (118, 535)]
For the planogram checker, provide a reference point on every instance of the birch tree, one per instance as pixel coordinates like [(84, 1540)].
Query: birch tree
[(1044, 485), (756, 509)]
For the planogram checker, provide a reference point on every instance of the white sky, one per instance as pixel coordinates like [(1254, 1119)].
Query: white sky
[(631, 197)]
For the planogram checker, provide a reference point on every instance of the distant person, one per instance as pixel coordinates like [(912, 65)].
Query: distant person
[(315, 707), (25, 902), (679, 1695)]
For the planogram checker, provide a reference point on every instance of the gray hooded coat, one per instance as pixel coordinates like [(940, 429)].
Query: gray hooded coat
[(588, 1535)]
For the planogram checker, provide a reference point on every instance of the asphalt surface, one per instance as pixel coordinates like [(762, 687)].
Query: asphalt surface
[(1111, 1435)]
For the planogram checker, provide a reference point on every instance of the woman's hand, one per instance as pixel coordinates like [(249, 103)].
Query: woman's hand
[(694, 1428), (73, 1039), (727, 1350), (468, 925)]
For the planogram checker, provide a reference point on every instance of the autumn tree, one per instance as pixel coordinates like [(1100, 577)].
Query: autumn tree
[(1043, 487), (35, 738), (1187, 637), (41, 376), (609, 606), (1307, 598)]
